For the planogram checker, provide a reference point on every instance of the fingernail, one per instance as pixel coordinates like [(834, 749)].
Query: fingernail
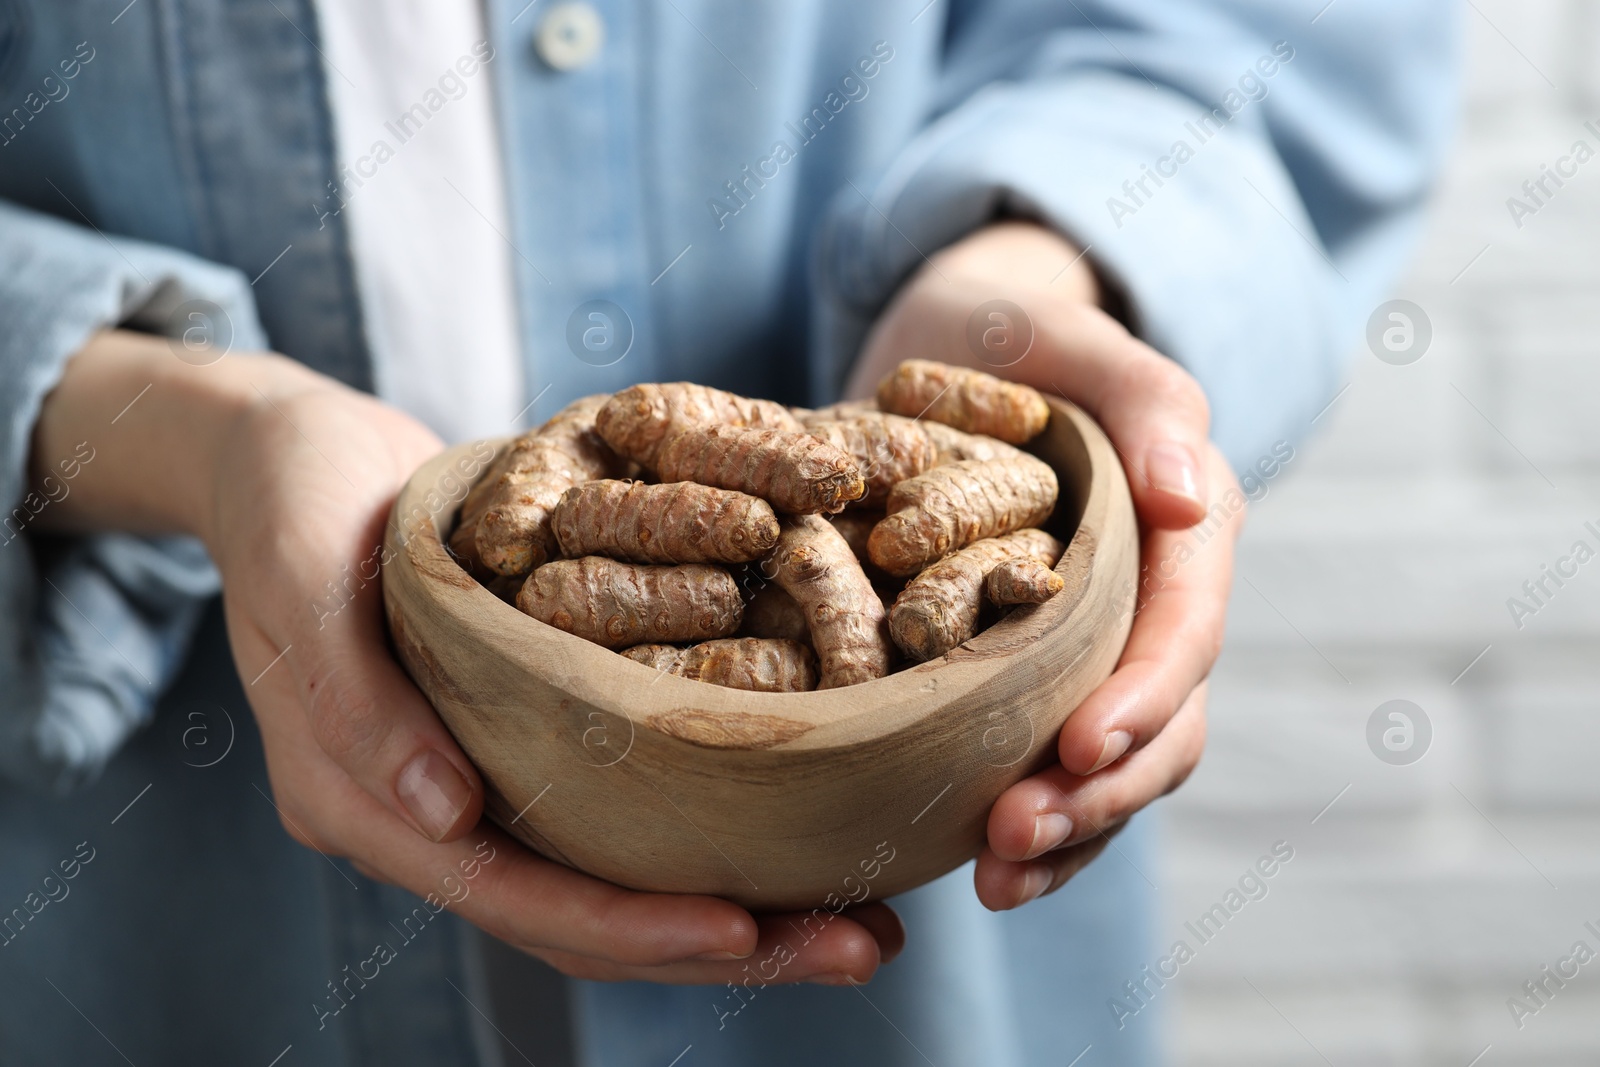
[(1172, 468), (433, 792), (1117, 743), (1036, 881), (831, 979), (1049, 830)]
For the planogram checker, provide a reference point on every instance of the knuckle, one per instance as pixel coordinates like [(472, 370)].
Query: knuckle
[(348, 725), (1188, 756), (626, 946), (1181, 774), (629, 939), (1202, 637), (1118, 809), (1211, 643), (1155, 377), (1097, 809)]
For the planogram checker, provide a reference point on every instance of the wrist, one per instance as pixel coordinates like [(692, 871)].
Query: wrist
[(1032, 256), (156, 429), (248, 395)]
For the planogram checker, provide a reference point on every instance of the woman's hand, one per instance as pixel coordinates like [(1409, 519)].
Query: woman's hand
[(1140, 734), (288, 478), (1046, 828)]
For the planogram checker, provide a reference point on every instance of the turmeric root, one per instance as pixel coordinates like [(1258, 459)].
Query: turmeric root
[(952, 445), (674, 522), (887, 449), (814, 565), (638, 421), (772, 613), (622, 604), (1022, 581), (464, 538), (952, 506), (969, 400), (939, 608), (659, 657), (750, 663), (844, 409), (513, 531), (794, 472), (722, 479)]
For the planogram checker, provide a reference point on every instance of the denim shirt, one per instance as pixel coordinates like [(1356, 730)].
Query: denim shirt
[(747, 183)]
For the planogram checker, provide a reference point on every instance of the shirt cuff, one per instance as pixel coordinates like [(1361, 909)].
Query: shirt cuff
[(93, 628), (1199, 225)]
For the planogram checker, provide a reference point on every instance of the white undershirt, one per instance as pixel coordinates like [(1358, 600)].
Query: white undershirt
[(435, 276)]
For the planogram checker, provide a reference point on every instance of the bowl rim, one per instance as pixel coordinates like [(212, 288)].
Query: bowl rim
[(426, 507)]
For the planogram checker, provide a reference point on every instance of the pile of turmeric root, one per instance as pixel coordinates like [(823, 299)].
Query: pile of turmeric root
[(750, 545)]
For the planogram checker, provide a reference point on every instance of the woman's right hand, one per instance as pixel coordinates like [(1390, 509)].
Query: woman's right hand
[(288, 478)]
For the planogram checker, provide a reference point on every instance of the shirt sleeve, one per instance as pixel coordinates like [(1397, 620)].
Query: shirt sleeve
[(1247, 177), (92, 628)]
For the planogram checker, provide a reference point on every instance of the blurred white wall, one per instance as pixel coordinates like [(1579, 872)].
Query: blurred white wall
[(1378, 568)]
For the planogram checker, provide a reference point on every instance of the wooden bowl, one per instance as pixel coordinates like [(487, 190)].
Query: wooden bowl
[(772, 800)]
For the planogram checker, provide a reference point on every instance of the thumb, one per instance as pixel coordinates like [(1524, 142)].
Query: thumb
[(371, 720), (1153, 411)]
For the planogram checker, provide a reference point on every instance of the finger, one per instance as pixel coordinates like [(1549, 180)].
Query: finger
[(1001, 886), (833, 950), (554, 911), (509, 891), (362, 708), (591, 928), (372, 721), (367, 716), (1055, 808), (364, 713), (1154, 412), (1177, 634), (497, 884), (530, 901), (884, 924)]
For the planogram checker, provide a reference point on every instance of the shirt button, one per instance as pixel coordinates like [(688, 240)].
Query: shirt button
[(570, 36)]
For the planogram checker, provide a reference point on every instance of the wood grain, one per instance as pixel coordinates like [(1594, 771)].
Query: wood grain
[(772, 800)]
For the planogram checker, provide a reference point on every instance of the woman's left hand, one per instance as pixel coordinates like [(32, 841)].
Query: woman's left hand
[(1140, 734)]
